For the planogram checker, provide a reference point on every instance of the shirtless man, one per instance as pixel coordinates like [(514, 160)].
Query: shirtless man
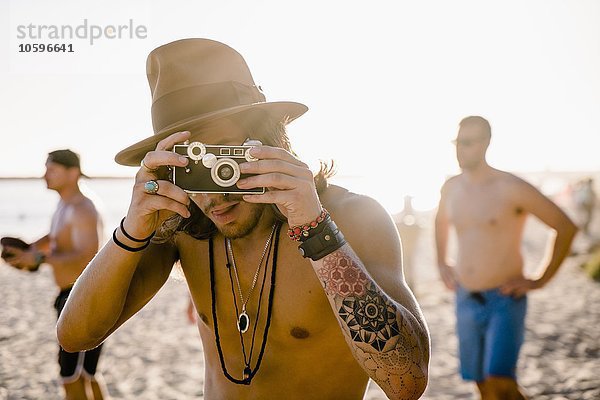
[(488, 209), (273, 324), (73, 240)]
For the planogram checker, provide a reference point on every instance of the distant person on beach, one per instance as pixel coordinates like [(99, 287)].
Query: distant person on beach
[(584, 198), (409, 229), (74, 238), (313, 313), (488, 208)]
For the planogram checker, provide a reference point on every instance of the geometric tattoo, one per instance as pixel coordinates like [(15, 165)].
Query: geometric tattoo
[(341, 277), (370, 318)]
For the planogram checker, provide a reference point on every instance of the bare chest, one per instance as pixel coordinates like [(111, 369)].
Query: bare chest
[(60, 228), (291, 328), (482, 208), (286, 294)]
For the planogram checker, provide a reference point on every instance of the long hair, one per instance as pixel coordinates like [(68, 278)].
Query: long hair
[(259, 127)]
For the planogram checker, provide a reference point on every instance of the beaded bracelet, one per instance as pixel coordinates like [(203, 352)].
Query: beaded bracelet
[(128, 236), (124, 246), (301, 232)]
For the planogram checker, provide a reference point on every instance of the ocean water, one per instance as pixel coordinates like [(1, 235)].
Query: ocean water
[(26, 205)]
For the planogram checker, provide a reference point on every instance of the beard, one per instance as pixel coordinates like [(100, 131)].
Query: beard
[(244, 224)]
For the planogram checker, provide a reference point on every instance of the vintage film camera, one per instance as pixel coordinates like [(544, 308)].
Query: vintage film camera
[(213, 168)]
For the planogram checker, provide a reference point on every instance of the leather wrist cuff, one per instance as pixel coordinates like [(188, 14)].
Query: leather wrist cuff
[(323, 242)]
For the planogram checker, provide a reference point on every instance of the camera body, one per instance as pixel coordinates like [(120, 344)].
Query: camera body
[(213, 168)]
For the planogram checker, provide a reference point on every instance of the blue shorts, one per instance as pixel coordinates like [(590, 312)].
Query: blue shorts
[(491, 329)]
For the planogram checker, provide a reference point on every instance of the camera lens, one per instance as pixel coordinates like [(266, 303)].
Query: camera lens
[(225, 172)]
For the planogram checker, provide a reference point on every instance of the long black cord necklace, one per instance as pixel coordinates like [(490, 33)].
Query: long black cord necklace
[(230, 264), (248, 373)]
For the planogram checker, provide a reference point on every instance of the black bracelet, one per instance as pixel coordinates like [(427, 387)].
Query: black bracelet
[(325, 242), (128, 236), (125, 247)]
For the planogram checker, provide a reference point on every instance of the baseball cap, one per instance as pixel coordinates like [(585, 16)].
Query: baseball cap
[(66, 157)]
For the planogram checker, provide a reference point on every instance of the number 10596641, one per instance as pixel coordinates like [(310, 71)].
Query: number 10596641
[(45, 48)]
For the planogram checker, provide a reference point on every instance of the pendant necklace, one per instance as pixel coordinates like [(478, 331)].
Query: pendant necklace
[(243, 320), (248, 372)]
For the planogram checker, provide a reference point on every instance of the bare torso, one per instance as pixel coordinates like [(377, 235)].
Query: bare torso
[(306, 355), (302, 329), (489, 226), (62, 240)]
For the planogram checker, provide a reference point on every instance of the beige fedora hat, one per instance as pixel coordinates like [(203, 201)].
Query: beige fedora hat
[(199, 80)]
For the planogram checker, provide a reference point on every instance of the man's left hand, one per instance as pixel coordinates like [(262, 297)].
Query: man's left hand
[(519, 287)]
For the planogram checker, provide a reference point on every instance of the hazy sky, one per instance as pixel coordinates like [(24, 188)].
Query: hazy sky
[(386, 81)]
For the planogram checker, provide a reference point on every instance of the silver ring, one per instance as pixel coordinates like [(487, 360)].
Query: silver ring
[(148, 169), (151, 187)]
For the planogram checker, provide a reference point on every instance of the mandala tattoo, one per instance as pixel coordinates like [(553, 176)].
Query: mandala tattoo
[(370, 318), (387, 341), (399, 369)]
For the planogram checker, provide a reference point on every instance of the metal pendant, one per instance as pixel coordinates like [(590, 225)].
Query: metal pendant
[(243, 322)]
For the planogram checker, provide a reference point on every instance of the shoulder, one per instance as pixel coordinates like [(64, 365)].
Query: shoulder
[(450, 184), (521, 193), (84, 210), (514, 183), (348, 205), (360, 217)]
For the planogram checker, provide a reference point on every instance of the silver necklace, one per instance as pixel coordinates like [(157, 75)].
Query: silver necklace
[(243, 321)]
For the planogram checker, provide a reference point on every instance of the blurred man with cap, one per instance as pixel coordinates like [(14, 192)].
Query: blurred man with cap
[(74, 238)]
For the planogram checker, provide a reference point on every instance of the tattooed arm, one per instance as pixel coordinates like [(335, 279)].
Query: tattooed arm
[(363, 279), (377, 312)]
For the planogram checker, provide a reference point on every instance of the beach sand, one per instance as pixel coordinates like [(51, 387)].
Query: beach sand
[(158, 355)]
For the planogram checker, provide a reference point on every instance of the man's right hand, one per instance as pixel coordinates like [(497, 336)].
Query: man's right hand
[(448, 276), (147, 211)]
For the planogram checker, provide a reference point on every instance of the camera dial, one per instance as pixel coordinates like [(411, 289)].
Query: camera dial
[(248, 156), (225, 172), (196, 151), (209, 160), (254, 143)]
